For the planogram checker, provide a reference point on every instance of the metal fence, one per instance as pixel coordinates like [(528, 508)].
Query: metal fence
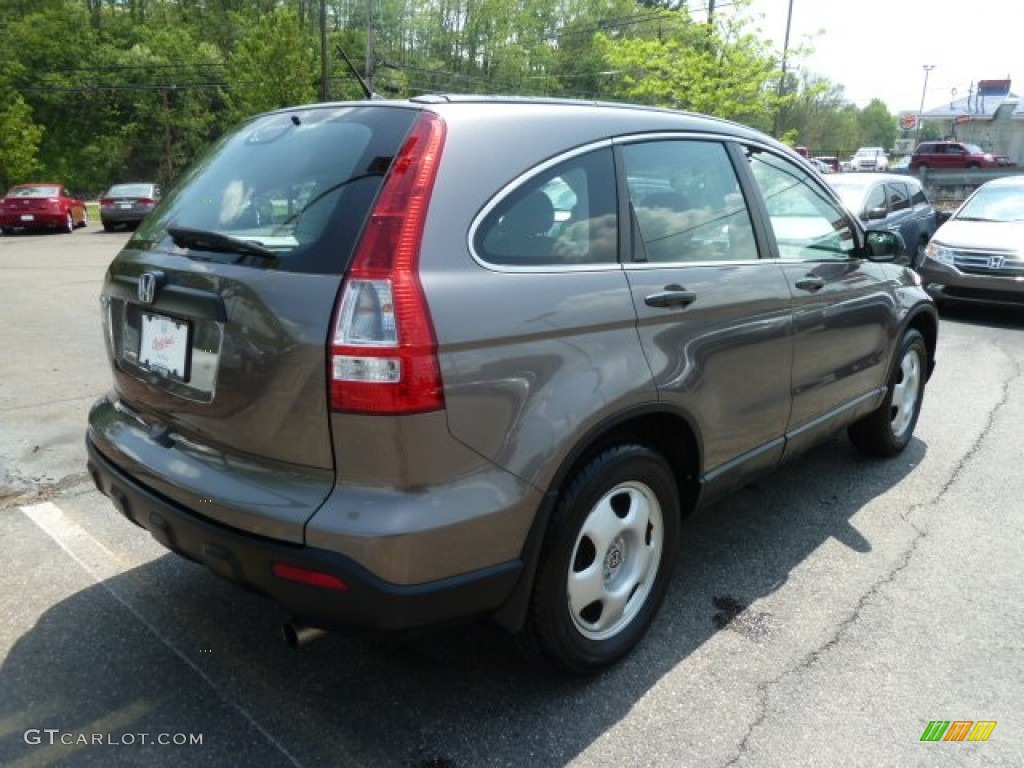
[(947, 189)]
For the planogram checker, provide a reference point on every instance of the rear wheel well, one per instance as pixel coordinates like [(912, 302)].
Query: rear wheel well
[(668, 434), (926, 325)]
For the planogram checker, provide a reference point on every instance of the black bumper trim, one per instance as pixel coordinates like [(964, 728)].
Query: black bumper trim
[(247, 560)]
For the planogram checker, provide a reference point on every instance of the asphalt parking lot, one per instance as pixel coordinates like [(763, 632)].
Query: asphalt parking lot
[(822, 617)]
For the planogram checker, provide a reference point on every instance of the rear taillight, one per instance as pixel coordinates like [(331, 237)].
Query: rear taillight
[(145, 202), (106, 202), (384, 353)]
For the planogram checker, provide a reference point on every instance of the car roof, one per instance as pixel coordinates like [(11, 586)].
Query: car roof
[(864, 179), (1006, 181), (603, 118)]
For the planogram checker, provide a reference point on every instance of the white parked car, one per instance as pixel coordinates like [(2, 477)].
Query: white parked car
[(870, 159)]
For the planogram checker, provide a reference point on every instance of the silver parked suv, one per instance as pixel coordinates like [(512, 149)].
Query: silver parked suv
[(398, 363)]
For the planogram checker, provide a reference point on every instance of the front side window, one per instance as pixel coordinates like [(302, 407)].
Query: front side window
[(687, 202), (563, 216), (808, 225), (899, 200), (875, 199), (917, 195)]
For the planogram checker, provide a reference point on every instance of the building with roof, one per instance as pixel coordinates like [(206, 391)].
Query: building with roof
[(990, 115)]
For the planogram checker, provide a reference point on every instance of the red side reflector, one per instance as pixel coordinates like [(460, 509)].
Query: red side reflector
[(306, 576)]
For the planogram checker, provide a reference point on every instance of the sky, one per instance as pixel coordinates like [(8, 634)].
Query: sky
[(879, 48)]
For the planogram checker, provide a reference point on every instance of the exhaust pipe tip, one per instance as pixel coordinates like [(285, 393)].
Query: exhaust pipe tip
[(297, 635)]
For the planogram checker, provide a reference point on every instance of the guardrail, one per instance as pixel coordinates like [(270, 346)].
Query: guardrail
[(947, 189)]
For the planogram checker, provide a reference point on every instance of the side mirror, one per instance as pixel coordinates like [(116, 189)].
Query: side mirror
[(874, 214), (885, 246)]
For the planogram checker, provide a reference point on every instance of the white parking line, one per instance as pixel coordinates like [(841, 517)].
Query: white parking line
[(101, 564)]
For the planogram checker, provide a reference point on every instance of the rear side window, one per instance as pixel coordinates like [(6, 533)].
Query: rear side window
[(297, 185), (564, 216), (808, 225), (686, 200)]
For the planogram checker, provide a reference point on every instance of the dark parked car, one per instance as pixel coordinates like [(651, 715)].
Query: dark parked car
[(128, 203), (977, 255), (43, 205), (890, 202), (941, 155), (399, 363)]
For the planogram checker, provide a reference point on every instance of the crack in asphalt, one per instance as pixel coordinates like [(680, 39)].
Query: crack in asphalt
[(34, 494), (817, 654), (47, 403)]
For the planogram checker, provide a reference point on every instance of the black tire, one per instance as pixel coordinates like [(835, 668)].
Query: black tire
[(613, 536), (108, 227), (887, 431)]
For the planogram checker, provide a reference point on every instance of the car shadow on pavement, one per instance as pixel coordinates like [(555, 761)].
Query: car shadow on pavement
[(168, 648)]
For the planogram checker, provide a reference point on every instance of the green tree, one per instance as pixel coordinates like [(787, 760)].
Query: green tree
[(719, 69), (878, 126), (19, 141), (274, 65)]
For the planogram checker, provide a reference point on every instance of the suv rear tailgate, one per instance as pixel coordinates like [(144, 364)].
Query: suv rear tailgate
[(241, 432)]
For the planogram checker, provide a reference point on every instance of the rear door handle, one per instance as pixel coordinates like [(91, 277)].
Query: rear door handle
[(672, 296), (810, 283)]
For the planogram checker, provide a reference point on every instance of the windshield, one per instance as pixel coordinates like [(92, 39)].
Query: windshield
[(974, 149), (994, 204), (869, 151), (851, 194), (283, 183)]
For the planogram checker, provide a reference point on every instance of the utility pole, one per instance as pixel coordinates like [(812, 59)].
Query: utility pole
[(782, 78), (324, 79), (368, 76), (927, 69)]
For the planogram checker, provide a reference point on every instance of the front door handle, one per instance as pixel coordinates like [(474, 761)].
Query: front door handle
[(810, 283), (672, 296)]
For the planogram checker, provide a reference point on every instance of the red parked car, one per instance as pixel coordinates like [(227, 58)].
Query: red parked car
[(43, 205)]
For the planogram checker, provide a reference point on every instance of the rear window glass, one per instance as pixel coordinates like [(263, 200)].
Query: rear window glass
[(290, 190), (130, 190), (34, 191)]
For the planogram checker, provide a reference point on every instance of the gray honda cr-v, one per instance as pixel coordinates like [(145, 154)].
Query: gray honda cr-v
[(398, 363)]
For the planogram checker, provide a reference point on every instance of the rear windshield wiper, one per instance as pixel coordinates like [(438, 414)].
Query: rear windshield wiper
[(375, 173), (206, 240)]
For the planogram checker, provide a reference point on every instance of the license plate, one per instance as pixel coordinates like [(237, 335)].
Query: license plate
[(27, 217), (164, 346), (124, 205)]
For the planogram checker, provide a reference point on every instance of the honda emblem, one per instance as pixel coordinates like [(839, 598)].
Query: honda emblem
[(149, 283)]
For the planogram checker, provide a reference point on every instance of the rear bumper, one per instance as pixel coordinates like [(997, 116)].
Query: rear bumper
[(40, 220), (115, 216), (249, 560)]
